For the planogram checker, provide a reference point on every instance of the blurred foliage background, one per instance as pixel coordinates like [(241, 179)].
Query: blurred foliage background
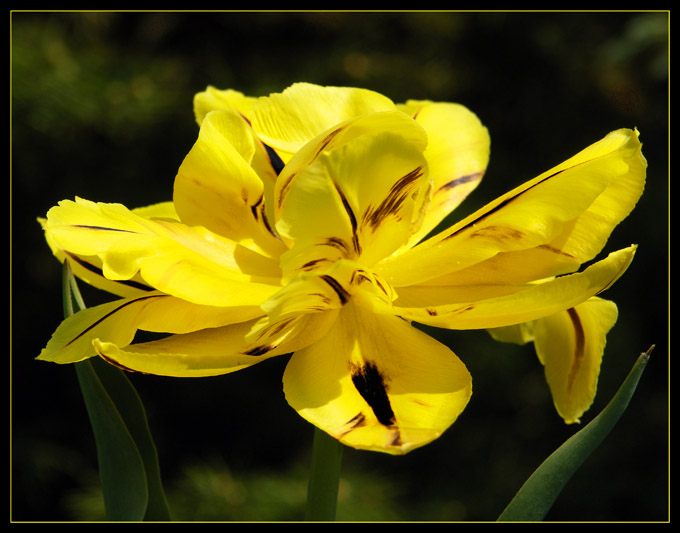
[(101, 107)]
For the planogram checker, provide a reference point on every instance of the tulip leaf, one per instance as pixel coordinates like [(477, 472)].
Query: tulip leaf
[(539, 492), (121, 469), (128, 463)]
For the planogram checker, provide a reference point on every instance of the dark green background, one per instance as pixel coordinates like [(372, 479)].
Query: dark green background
[(102, 108)]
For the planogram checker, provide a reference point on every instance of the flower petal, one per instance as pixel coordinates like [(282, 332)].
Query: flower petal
[(457, 155), (535, 301), (570, 345), (288, 120), (572, 208), (213, 99), (217, 188), (190, 263), (368, 186), (375, 382), (502, 274), (217, 351), (118, 321)]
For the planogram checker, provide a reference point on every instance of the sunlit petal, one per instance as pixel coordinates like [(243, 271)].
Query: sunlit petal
[(288, 120), (375, 382), (535, 301), (457, 155), (570, 344), (190, 263), (118, 321), (219, 350), (565, 208), (217, 188), (370, 189), (213, 99)]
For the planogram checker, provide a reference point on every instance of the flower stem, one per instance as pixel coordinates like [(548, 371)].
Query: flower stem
[(322, 492)]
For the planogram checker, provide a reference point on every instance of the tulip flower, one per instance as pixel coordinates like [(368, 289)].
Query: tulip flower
[(307, 223)]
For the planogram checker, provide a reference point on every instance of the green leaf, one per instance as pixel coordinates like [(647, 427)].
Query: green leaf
[(128, 462), (131, 409), (539, 492), (121, 469)]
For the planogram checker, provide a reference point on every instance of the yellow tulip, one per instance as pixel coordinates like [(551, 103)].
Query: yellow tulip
[(300, 224)]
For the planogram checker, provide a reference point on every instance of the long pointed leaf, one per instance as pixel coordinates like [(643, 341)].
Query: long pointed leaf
[(121, 469), (540, 491), (128, 462), (133, 414)]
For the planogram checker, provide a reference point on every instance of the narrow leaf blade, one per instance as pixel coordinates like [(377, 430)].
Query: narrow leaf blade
[(128, 462), (121, 468), (539, 492)]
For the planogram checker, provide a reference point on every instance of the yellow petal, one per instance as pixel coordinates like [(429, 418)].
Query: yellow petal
[(365, 181), (376, 383), (216, 351), (118, 321), (570, 345), (457, 155), (515, 334), (572, 208), (162, 210), (213, 99), (190, 263), (502, 274), (217, 188), (288, 120), (535, 301)]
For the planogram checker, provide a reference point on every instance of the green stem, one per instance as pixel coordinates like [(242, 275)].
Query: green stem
[(322, 493)]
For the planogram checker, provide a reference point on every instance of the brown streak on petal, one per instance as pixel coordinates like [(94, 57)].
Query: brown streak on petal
[(95, 324), (275, 328), (354, 423), (102, 228), (461, 180), (284, 189), (358, 277), (325, 299), (336, 243), (311, 265), (502, 204), (579, 349), (260, 350), (115, 363), (400, 190), (555, 250), (498, 233), (352, 218), (327, 141), (465, 309), (343, 295), (370, 384), (396, 439)]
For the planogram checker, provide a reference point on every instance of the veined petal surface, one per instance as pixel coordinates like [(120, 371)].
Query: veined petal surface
[(572, 209), (191, 263), (375, 382), (288, 120), (570, 345), (213, 99), (216, 351), (533, 302), (369, 186), (217, 188), (118, 321), (457, 155)]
